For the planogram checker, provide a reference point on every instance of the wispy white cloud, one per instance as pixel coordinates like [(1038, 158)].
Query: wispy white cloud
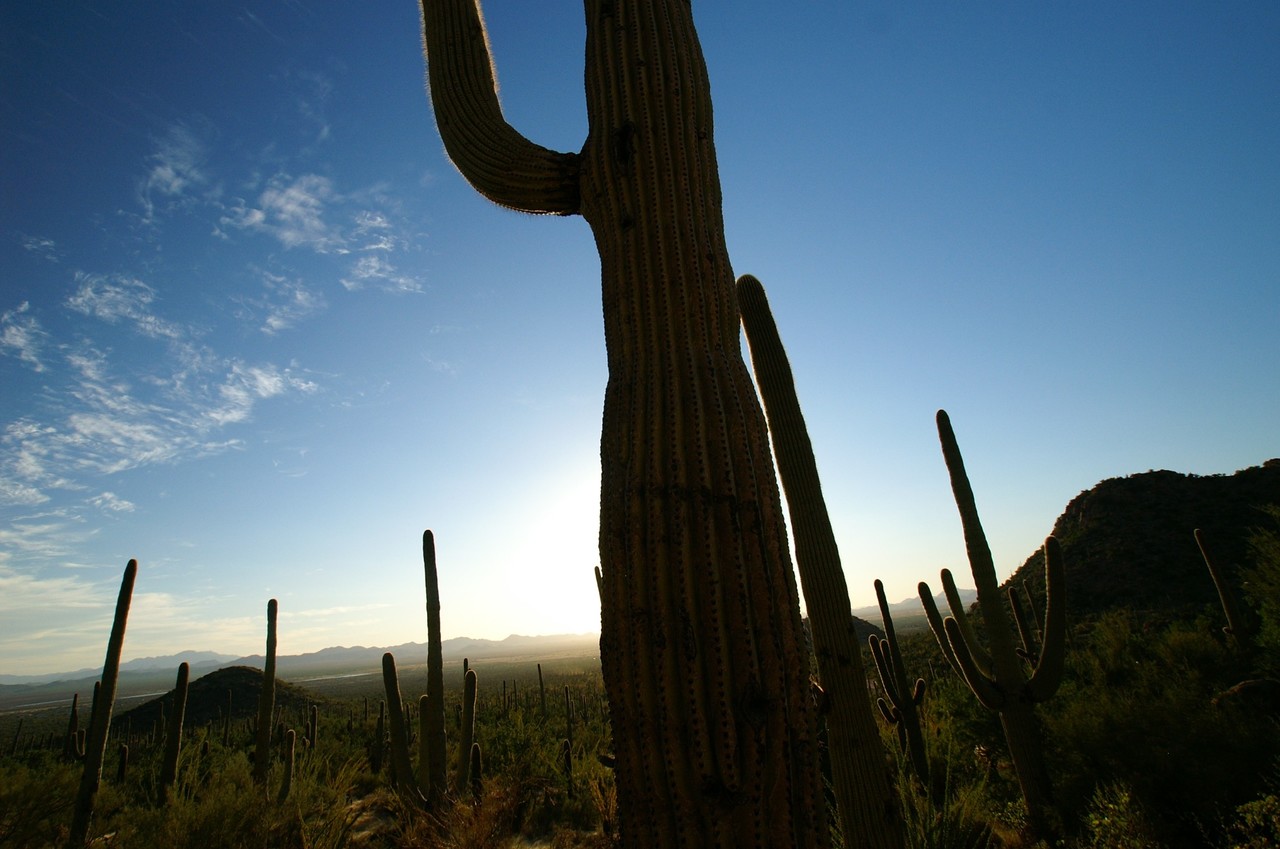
[(21, 334), (176, 166), (245, 385), (116, 298), (288, 301), (292, 211), (42, 246), (375, 270), (109, 501)]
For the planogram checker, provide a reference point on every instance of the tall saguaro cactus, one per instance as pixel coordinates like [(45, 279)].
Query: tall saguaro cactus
[(433, 743), (173, 739), (95, 747), (701, 645), (995, 674)]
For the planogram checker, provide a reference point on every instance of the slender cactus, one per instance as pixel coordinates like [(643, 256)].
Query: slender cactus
[(100, 717), (432, 781), (266, 700), (173, 740), (996, 675), (542, 692), (378, 744), (865, 797), (122, 763), (313, 726), (286, 780), (402, 767), (901, 701), (1236, 628), (72, 750), (701, 645), (468, 730)]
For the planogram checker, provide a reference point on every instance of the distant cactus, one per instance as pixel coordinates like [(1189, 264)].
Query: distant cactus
[(866, 800), (542, 692), (901, 702), (468, 730), (433, 724), (73, 749), (1237, 628), (122, 764), (313, 727), (266, 699), (100, 718), (995, 675), (378, 743), (173, 739)]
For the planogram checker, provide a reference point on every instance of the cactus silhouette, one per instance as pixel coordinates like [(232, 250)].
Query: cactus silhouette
[(1237, 628), (701, 645), (402, 768), (468, 729), (100, 717), (266, 699), (432, 775), (995, 674), (864, 796), (173, 738), (901, 699)]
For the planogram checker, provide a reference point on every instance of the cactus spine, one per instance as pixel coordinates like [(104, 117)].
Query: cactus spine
[(701, 644), (433, 735), (468, 730), (996, 675), (866, 800), (901, 700), (173, 740), (266, 700), (100, 717)]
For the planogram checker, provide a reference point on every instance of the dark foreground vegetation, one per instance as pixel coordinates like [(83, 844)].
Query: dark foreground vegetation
[(1163, 733)]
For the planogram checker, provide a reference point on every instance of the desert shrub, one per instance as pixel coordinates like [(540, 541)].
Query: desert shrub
[(1256, 825), (1115, 821)]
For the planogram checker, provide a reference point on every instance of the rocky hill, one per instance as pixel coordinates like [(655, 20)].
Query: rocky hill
[(208, 698), (1127, 542)]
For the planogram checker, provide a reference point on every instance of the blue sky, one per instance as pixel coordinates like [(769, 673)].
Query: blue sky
[(256, 332)]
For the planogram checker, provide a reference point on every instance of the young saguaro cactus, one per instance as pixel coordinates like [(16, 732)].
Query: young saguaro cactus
[(100, 718), (996, 674), (866, 800), (701, 645), (467, 732), (402, 766)]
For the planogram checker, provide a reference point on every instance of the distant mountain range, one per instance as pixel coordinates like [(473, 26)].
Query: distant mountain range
[(156, 674)]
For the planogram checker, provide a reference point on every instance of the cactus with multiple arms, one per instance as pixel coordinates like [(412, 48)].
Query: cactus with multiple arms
[(901, 700), (864, 796), (996, 675), (100, 717), (701, 645)]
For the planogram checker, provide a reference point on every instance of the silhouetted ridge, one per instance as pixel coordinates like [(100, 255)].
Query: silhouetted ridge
[(1128, 542), (207, 699)]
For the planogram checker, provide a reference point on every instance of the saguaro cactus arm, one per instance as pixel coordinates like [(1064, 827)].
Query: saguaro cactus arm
[(1053, 647), (497, 160)]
